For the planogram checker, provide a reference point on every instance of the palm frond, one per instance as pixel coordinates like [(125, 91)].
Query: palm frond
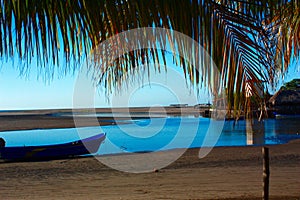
[(250, 41), (286, 27)]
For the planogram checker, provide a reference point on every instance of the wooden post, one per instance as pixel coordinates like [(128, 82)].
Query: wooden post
[(266, 173)]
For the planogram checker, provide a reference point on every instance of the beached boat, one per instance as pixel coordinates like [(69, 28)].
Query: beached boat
[(88, 145)]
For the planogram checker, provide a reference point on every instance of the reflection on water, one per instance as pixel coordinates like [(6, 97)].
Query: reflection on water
[(255, 132), (157, 133), (269, 131)]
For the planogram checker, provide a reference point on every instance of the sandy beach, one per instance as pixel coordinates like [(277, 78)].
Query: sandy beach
[(226, 173)]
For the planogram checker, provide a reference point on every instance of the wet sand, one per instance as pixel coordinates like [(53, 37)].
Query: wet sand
[(62, 118), (226, 173)]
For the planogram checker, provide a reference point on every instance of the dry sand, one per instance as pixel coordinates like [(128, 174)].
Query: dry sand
[(231, 172), (226, 173)]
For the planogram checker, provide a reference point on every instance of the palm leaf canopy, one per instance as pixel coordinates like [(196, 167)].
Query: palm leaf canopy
[(249, 41)]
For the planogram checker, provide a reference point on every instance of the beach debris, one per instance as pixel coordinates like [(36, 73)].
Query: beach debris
[(155, 170)]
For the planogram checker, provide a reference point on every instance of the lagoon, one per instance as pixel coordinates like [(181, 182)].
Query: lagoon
[(156, 134)]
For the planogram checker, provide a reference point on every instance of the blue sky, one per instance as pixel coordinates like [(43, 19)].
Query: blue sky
[(29, 91), (32, 92)]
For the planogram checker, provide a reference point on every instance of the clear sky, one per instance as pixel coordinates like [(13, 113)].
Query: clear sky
[(32, 92)]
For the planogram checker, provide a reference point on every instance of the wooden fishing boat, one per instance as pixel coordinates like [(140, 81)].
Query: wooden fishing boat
[(88, 145)]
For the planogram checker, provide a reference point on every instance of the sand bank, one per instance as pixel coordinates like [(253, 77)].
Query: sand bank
[(62, 118)]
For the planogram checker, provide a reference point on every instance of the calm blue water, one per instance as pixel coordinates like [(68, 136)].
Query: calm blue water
[(166, 133)]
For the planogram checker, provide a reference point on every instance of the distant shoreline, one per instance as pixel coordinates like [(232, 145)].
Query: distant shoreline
[(156, 109), (62, 118)]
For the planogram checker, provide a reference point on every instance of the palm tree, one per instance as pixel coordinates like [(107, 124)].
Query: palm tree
[(250, 41)]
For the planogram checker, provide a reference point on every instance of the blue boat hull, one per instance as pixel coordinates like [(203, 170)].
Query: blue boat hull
[(46, 152)]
